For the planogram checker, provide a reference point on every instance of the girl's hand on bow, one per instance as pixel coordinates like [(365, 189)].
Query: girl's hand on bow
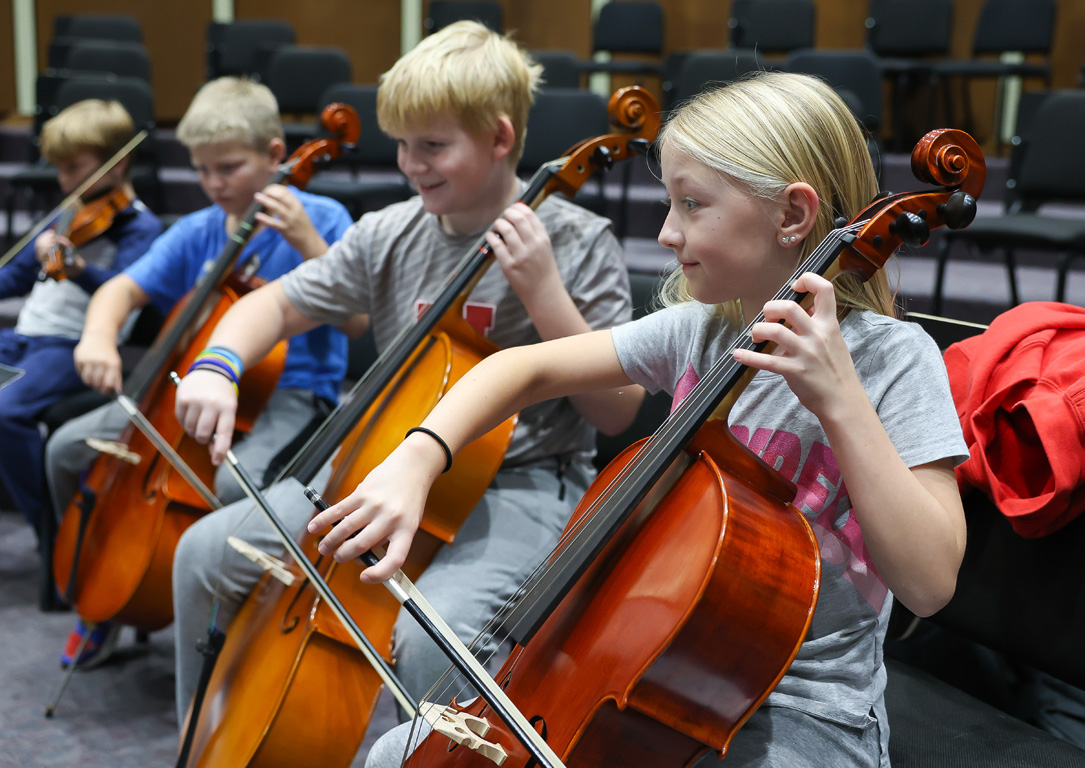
[(385, 508)]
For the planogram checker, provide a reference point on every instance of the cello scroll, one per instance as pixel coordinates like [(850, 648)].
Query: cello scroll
[(634, 111)]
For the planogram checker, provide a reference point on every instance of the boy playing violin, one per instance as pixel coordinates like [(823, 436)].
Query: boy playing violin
[(234, 134), (457, 107), (79, 140)]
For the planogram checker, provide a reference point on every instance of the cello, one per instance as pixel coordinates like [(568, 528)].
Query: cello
[(114, 549), (622, 659), (284, 656)]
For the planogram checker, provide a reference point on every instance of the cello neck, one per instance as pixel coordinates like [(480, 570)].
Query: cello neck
[(164, 347), (335, 428)]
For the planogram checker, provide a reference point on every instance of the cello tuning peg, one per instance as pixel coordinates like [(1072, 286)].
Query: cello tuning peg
[(911, 228), (604, 157), (959, 210)]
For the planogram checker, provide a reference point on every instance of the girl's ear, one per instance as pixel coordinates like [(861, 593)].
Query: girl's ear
[(504, 138), (800, 212)]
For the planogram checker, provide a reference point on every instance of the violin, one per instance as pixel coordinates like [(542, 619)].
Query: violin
[(81, 223), (285, 654), (114, 548), (74, 197), (623, 659)]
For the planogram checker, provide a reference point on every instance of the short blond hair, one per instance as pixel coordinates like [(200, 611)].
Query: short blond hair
[(93, 125), (231, 109), (768, 131), (465, 71)]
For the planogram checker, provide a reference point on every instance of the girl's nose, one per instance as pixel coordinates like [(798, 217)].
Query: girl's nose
[(669, 236)]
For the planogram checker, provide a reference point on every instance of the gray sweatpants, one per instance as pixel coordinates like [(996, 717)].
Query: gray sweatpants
[(773, 737), (512, 529), (67, 455)]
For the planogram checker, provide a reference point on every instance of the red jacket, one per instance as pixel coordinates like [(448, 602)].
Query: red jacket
[(1020, 394)]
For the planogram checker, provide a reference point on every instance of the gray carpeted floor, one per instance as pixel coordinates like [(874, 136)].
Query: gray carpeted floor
[(117, 715)]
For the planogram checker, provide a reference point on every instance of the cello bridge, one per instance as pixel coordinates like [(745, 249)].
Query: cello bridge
[(272, 565), (462, 728), (115, 449)]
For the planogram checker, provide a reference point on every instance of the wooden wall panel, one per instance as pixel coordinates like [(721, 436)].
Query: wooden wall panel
[(7, 59), (368, 31), (553, 25), (174, 32)]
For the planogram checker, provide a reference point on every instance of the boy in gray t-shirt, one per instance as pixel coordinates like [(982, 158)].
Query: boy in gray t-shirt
[(457, 106)]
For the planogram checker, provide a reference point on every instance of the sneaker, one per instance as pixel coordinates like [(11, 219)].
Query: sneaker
[(99, 646)]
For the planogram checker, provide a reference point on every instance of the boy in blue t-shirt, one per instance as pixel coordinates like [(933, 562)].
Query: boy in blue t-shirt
[(77, 141), (234, 135)]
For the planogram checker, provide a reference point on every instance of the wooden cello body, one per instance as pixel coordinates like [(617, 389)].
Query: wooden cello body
[(681, 625), (114, 549), (685, 585), (286, 656)]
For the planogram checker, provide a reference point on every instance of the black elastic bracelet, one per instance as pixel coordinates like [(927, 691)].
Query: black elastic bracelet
[(440, 442)]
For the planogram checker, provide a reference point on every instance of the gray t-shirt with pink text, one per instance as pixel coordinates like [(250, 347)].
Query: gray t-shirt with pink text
[(838, 673)]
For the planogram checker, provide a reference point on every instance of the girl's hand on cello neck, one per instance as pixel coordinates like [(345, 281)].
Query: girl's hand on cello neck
[(810, 352)]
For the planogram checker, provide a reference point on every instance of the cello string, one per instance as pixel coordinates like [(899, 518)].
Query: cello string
[(492, 634), (697, 401)]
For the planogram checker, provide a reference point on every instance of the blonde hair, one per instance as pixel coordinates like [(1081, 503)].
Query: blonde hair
[(231, 109), (465, 71), (769, 131), (93, 125)]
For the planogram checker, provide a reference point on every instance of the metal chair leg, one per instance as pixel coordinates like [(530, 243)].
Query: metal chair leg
[(1063, 274), (940, 274), (1011, 276)]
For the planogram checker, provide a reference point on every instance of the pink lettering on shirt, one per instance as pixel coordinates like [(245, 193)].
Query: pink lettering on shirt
[(684, 386), (820, 496)]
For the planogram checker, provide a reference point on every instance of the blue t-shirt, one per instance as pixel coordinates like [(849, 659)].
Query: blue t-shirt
[(316, 360)]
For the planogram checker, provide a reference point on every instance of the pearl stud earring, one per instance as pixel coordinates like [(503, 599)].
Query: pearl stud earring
[(788, 239)]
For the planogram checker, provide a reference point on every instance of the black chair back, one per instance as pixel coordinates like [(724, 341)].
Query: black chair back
[(445, 12), (98, 26), (629, 27), (243, 47), (1051, 166), (703, 70), (855, 72), (772, 26), (119, 58), (375, 148), (561, 69), (133, 93), (299, 75), (909, 28), (1027, 26), (559, 118)]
